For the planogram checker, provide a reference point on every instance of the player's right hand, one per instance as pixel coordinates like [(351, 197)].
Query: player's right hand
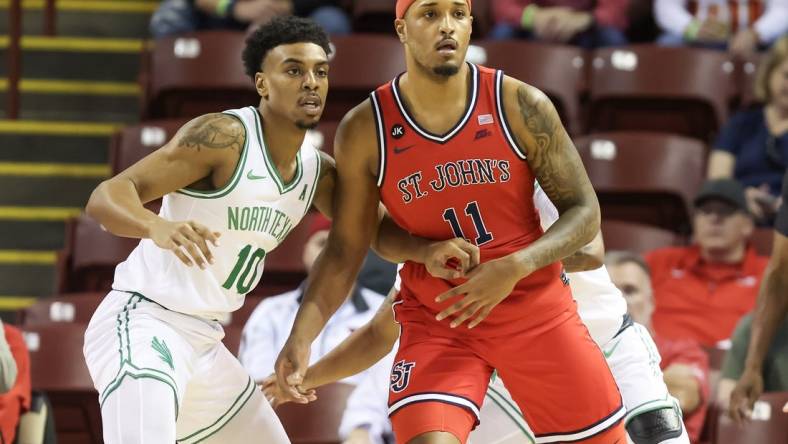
[(290, 368), (187, 240), (275, 396), (450, 259)]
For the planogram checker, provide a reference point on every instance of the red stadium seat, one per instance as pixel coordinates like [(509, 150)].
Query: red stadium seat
[(644, 87), (77, 308), (57, 367), (90, 256), (132, 143), (643, 177), (323, 136), (316, 422), (197, 73), (768, 425), (360, 63), (746, 73), (558, 70), (232, 338), (635, 237)]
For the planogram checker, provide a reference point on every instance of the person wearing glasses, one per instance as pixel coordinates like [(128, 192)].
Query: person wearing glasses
[(753, 145)]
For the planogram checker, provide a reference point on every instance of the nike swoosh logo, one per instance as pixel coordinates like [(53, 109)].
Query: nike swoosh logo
[(250, 175), (398, 149), (610, 353)]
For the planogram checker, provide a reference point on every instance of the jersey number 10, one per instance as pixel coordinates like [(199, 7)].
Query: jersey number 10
[(472, 209), (243, 285)]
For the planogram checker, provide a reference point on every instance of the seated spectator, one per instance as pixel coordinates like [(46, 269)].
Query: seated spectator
[(775, 365), (16, 401), (585, 23), (269, 325), (753, 145), (366, 416), (701, 291), (7, 364), (175, 17), (740, 27), (685, 366)]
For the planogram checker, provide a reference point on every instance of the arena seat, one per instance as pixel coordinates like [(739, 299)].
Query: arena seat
[(558, 70), (360, 63), (197, 73), (77, 308), (58, 368), (644, 177), (232, 338), (747, 71), (88, 261), (322, 137), (645, 87), (635, 237), (316, 422), (134, 142), (762, 239), (768, 424)]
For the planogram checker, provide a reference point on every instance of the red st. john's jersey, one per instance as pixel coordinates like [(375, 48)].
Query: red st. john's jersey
[(471, 182)]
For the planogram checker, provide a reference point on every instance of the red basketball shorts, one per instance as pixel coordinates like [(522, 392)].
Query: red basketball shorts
[(555, 373)]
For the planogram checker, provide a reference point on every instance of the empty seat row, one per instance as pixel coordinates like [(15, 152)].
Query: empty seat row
[(639, 87)]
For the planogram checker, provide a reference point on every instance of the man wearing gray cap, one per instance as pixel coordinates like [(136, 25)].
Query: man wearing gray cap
[(702, 290)]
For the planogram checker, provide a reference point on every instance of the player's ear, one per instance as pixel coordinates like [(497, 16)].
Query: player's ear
[(261, 84), (399, 26)]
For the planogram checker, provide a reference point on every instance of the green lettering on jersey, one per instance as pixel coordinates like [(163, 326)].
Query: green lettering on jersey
[(245, 211), (255, 217), (266, 219), (232, 218)]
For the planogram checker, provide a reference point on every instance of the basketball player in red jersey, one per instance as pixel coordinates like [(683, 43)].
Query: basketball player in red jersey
[(452, 149)]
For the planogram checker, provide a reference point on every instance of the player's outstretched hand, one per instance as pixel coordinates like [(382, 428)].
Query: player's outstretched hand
[(748, 389), (487, 285), (450, 259), (290, 369), (188, 240), (275, 396)]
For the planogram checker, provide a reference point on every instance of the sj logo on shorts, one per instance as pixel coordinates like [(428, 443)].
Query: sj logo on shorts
[(400, 375)]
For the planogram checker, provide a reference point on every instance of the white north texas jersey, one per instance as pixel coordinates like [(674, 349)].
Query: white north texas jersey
[(254, 212), (600, 304)]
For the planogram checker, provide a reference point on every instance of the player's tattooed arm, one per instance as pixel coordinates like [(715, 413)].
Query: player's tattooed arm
[(204, 153), (557, 166), (590, 257)]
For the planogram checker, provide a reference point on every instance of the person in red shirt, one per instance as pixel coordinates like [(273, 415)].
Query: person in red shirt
[(701, 291), (585, 23), (685, 366), (453, 150), (17, 400)]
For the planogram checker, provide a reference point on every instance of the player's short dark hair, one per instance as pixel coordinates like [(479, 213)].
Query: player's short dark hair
[(281, 31)]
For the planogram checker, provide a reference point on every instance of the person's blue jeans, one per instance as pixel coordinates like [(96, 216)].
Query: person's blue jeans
[(332, 19), (596, 37), (669, 39)]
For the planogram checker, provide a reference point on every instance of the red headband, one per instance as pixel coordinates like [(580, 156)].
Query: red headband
[(403, 5)]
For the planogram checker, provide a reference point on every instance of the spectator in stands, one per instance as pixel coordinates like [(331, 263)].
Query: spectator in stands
[(7, 363), (366, 416), (584, 23), (685, 366), (267, 328), (741, 27), (702, 290), (774, 368), (175, 17), (17, 400), (753, 146)]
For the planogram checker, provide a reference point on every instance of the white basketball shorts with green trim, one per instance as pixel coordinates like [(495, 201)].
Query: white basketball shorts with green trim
[(166, 377)]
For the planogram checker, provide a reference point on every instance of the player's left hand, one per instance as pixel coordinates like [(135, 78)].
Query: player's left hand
[(487, 285), (748, 389)]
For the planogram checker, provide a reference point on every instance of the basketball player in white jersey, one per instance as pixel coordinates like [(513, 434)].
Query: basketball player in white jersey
[(653, 416), (234, 184)]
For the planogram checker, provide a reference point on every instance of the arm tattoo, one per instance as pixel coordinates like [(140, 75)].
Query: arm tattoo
[(214, 131), (559, 170)]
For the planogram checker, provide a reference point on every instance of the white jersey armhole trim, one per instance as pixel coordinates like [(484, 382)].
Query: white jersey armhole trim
[(381, 138), (502, 116)]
